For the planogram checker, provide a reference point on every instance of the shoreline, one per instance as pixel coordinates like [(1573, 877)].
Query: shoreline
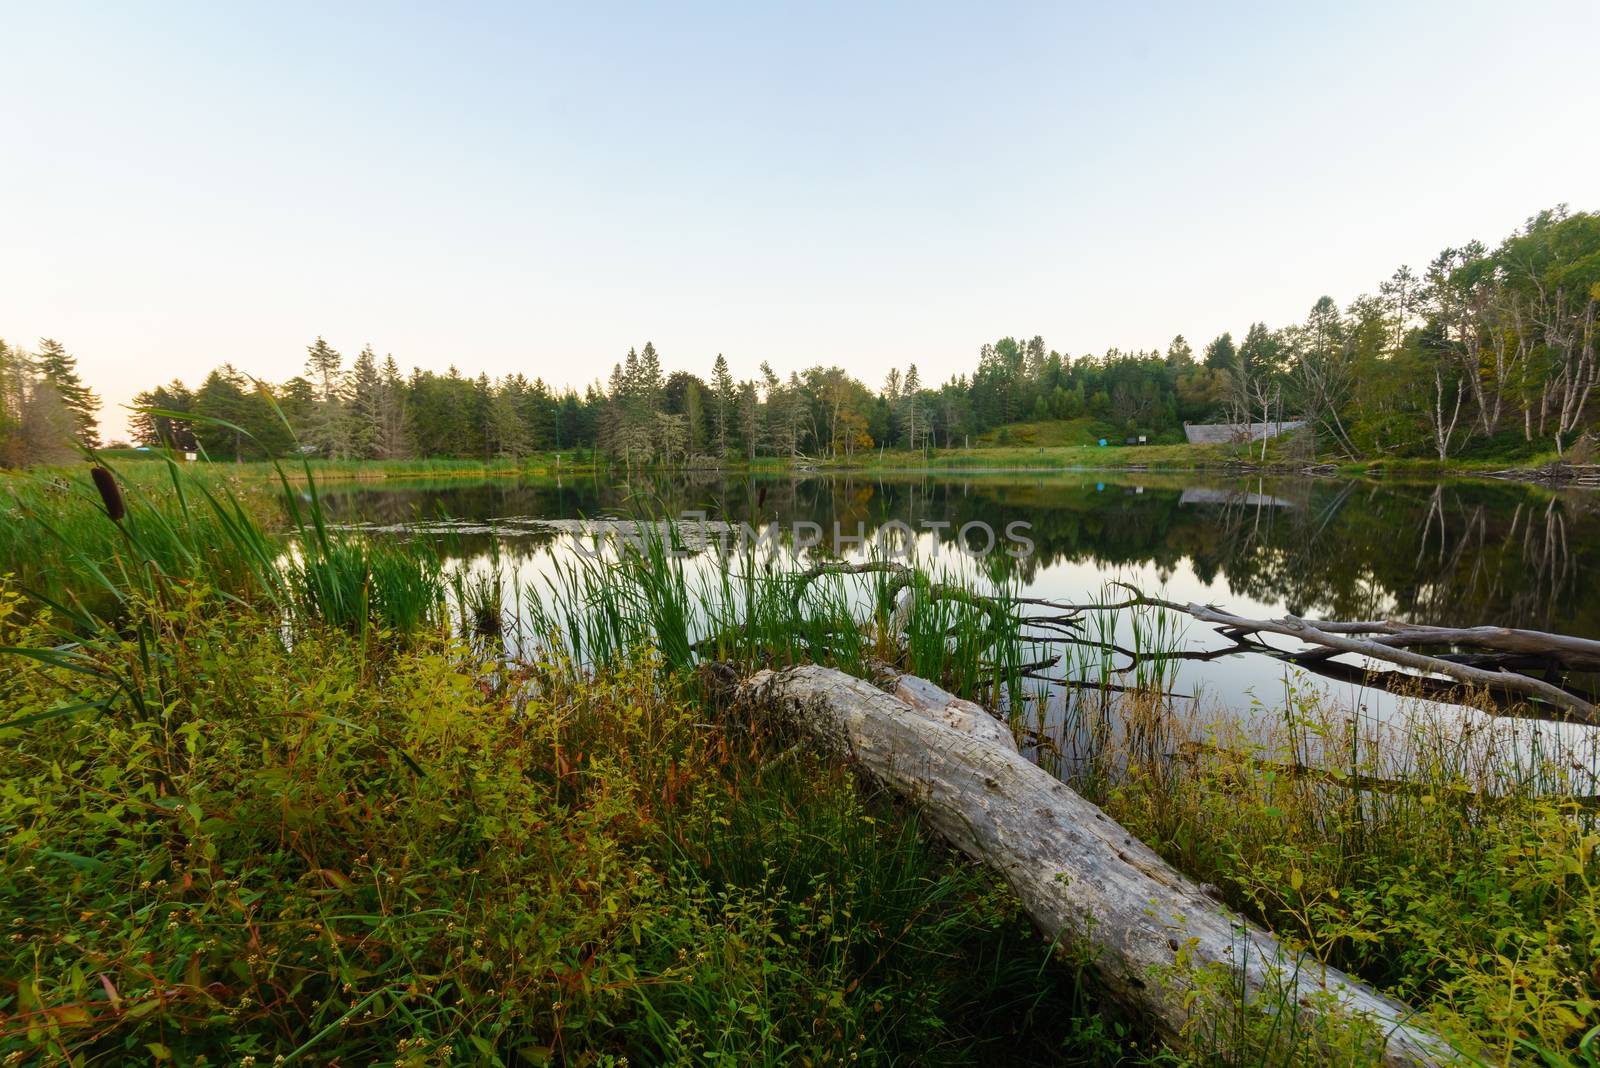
[(1551, 473)]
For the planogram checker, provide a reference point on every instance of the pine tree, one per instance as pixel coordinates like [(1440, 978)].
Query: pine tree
[(364, 421), (221, 399), (393, 441), (1179, 354), (911, 408), (749, 417), (13, 384), (508, 433), (328, 431), (60, 368), (772, 394), (1220, 354), (723, 400), (164, 431), (796, 411), (651, 380)]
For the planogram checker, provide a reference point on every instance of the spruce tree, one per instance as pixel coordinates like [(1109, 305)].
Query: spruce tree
[(393, 440), (911, 407), (723, 399), (60, 369), (327, 430), (365, 421), (13, 379)]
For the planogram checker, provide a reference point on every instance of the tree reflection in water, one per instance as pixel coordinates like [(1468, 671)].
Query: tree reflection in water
[(1464, 553)]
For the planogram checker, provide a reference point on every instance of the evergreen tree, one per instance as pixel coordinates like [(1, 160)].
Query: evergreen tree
[(165, 431), (1179, 355), (364, 421), (749, 417), (723, 401), (328, 429), (911, 408), (221, 399), (13, 392), (60, 368), (1220, 354), (393, 441)]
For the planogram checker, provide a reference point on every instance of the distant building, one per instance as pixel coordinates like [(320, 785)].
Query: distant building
[(1231, 433)]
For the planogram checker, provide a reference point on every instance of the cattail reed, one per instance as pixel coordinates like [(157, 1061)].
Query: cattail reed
[(109, 493)]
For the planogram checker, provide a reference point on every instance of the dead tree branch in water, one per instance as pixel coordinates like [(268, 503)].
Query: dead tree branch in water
[(1395, 643)]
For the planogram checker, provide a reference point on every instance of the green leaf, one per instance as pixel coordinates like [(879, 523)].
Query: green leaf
[(76, 860), (53, 713)]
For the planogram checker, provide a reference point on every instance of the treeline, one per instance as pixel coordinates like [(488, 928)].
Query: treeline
[(1491, 351), (367, 410), (44, 406)]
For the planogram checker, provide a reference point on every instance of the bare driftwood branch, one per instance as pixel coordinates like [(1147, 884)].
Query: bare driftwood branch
[(1294, 627), (1078, 873), (1393, 643), (1582, 654)]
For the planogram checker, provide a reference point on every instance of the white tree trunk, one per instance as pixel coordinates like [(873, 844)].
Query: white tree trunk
[(1079, 874)]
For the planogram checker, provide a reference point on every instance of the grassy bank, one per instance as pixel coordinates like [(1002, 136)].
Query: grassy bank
[(301, 804), (551, 464), (363, 853), (271, 808), (1065, 444)]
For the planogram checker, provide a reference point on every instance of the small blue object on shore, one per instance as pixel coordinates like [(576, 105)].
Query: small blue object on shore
[(1102, 443)]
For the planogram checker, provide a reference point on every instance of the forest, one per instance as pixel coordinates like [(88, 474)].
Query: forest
[(1487, 352)]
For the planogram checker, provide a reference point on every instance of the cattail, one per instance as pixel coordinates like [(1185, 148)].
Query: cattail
[(109, 493)]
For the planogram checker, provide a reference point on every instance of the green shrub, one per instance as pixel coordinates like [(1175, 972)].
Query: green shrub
[(333, 856)]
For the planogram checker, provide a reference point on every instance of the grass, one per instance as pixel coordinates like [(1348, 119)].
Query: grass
[(56, 541), (305, 854), (1063, 444), (573, 461), (1449, 867)]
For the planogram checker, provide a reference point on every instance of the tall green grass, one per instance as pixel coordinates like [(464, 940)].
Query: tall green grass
[(760, 606), (105, 559)]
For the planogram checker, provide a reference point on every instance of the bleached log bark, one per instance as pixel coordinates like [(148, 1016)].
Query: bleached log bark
[(959, 714), (1078, 873)]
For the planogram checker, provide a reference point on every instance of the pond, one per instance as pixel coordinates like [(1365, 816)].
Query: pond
[(1460, 552)]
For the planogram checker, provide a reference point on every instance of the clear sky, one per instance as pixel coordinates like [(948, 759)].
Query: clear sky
[(512, 187)]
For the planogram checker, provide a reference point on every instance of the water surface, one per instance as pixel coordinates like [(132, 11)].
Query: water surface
[(1460, 553)]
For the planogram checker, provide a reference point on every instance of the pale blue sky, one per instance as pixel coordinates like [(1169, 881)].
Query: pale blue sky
[(518, 188)]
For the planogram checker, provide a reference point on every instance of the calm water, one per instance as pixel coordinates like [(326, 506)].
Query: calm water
[(1461, 553)]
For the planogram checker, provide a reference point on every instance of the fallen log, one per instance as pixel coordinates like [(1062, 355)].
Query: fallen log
[(1079, 874)]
